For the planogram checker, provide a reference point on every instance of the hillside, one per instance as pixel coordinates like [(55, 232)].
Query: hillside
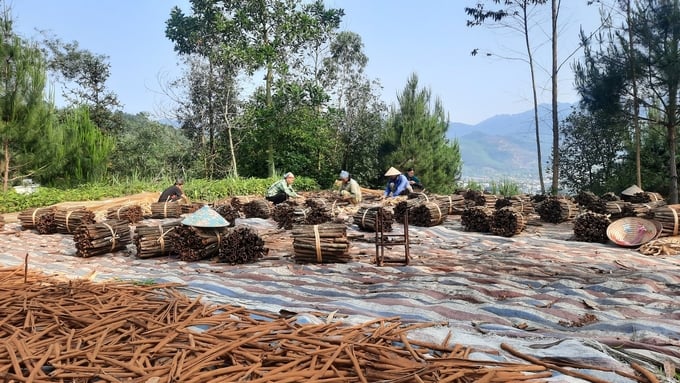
[(505, 145)]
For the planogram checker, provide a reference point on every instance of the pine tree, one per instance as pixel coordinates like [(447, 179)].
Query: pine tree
[(416, 137), (25, 126)]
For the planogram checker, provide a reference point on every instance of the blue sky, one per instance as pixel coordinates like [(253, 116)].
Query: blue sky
[(400, 37)]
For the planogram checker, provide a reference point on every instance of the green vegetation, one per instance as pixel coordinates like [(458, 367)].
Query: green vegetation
[(197, 190)]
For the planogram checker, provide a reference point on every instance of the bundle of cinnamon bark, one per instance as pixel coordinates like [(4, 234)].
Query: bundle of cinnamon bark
[(325, 243), (507, 222), (316, 211), (166, 210), (68, 220), (404, 207), (30, 218), (259, 208), (452, 204), (669, 217), (130, 213), (427, 214), (228, 212), (476, 219), (557, 209), (241, 245), (101, 238), (154, 240), (591, 227), (520, 203), (195, 243), (367, 218)]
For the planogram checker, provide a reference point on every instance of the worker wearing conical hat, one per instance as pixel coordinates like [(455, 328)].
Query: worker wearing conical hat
[(397, 184)]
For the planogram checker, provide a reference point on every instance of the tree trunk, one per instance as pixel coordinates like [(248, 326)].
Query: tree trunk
[(555, 117), (5, 168), (636, 101), (232, 151), (270, 141), (671, 129), (533, 91)]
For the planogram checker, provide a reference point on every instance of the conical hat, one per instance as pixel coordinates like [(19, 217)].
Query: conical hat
[(205, 217), (392, 172), (633, 231), (632, 190)]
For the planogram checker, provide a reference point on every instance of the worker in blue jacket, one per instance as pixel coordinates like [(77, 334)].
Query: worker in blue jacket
[(397, 184)]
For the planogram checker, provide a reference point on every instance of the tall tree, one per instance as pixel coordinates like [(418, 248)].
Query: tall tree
[(303, 135), (520, 12), (644, 72), (207, 115), (592, 146), (416, 136), (657, 32), (83, 75), (84, 150), (25, 122), (360, 111), (256, 35)]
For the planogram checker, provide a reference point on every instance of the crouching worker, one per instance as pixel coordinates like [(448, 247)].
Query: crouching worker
[(349, 188), (174, 193), (397, 184), (281, 190)]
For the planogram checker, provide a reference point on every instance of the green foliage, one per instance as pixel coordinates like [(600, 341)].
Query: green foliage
[(640, 59), (253, 35), (207, 191), (472, 185), (84, 75), (147, 149), (83, 152), (25, 122), (296, 129), (416, 137), (591, 149), (504, 187)]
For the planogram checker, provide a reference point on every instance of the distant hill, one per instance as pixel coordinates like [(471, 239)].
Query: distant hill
[(504, 146)]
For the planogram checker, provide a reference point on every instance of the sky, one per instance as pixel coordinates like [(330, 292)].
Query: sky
[(401, 37)]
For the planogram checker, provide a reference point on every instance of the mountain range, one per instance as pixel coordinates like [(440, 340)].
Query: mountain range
[(504, 146)]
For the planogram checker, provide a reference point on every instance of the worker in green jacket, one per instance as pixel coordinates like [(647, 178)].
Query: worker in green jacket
[(349, 188), (281, 190)]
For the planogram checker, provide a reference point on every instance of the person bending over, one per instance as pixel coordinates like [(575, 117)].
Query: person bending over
[(349, 188), (282, 189), (397, 184), (174, 192)]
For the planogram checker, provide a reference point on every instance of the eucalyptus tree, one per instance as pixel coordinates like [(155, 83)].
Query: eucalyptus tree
[(256, 36), (207, 116), (416, 136), (83, 75), (360, 111)]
